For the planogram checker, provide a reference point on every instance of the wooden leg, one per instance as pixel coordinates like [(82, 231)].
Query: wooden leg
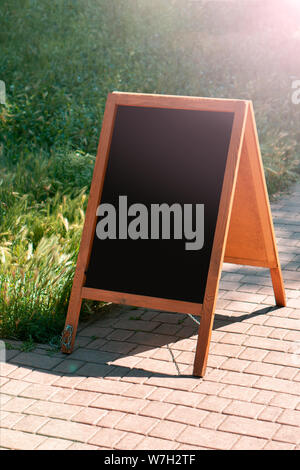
[(278, 286), (69, 333), (203, 342)]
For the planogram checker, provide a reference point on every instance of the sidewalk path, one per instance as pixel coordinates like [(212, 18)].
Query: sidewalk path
[(128, 384)]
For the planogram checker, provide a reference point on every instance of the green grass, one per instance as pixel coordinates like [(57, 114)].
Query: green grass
[(59, 59)]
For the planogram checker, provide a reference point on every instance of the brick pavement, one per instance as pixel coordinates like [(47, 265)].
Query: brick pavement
[(128, 384)]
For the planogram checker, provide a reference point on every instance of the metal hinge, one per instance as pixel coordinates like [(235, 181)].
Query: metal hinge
[(66, 337)]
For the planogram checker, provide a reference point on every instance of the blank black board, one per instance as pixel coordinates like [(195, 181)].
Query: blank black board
[(160, 155)]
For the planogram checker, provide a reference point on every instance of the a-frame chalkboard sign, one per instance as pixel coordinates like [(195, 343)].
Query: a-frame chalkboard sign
[(189, 156)]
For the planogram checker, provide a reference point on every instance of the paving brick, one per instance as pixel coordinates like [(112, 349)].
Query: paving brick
[(215, 361), (95, 370), (167, 430), (30, 423), (97, 344), (213, 420), (8, 420), (53, 410), (55, 444), (286, 323), (68, 366), (93, 331), (102, 385), (235, 365), (261, 368), (61, 395), (226, 350), (156, 409), (129, 441), (235, 392), (160, 367), (290, 434), (153, 443), (81, 397), (67, 381), (209, 388), (233, 338), (121, 347), (164, 354), (136, 423), (89, 415), (3, 380), (107, 438), (214, 375), (270, 413), (244, 297), (20, 373), (187, 415), (213, 403), (238, 327), (278, 385), (81, 446), (190, 447), (18, 440), (284, 400), (17, 404), (138, 391), (14, 387), (159, 394), (185, 344), (110, 419), (249, 427), (118, 403), (280, 358), (151, 339), (177, 383), (167, 329), (252, 354), (89, 355), (245, 307), (244, 409), (228, 285), (208, 438), (32, 359), (138, 325), (260, 330), (275, 445), (4, 399), (120, 335), (249, 443), (263, 396), (40, 377), (239, 378), (38, 391), (290, 417), (288, 373), (6, 368), (67, 430), (184, 398)]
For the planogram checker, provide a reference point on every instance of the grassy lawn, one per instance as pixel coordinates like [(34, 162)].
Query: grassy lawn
[(59, 59)]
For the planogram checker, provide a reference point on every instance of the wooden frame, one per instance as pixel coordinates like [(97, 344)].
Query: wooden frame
[(239, 179)]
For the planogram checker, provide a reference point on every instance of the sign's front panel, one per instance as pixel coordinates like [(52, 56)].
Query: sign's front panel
[(159, 206)]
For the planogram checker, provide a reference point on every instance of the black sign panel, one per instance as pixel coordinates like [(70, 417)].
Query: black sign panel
[(161, 156)]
